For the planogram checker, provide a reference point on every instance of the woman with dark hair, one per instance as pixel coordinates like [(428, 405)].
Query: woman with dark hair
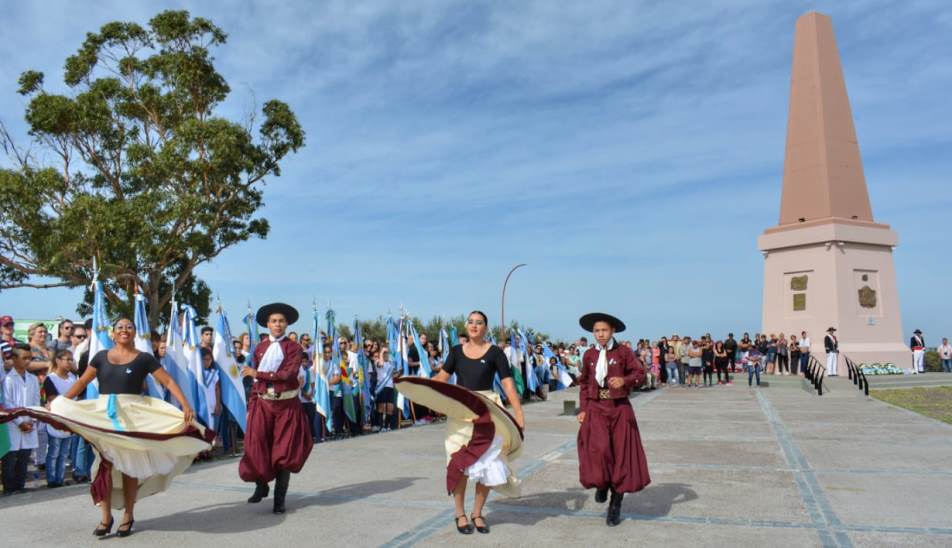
[(140, 443), (476, 448)]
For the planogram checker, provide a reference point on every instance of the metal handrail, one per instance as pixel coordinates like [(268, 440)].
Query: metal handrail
[(816, 373), (859, 378)]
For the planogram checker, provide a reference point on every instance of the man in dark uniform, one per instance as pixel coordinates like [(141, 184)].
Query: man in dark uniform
[(611, 457), (278, 438)]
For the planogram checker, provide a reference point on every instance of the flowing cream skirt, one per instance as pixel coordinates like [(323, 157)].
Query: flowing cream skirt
[(492, 469), (146, 438)]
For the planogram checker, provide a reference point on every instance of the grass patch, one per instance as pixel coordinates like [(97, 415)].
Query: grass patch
[(933, 402)]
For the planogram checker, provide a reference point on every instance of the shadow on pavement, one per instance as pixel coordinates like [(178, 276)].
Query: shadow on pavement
[(655, 500), (239, 516), (232, 517), (347, 493)]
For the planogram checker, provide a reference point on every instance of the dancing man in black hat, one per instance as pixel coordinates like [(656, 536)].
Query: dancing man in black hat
[(610, 454), (278, 438)]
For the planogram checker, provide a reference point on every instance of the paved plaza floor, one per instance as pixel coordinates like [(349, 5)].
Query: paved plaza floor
[(730, 466)]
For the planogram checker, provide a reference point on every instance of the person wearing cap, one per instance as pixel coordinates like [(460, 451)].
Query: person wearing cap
[(918, 345), (832, 347), (611, 457), (278, 438)]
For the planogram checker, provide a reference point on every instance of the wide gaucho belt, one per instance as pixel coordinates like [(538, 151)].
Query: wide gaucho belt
[(271, 395)]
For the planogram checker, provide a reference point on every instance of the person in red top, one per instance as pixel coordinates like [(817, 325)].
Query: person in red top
[(278, 438), (610, 453)]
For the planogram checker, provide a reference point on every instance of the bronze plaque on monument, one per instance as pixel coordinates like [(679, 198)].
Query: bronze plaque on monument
[(798, 283), (867, 297), (799, 301)]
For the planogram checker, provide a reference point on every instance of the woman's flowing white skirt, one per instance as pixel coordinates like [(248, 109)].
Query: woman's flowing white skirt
[(148, 439), (492, 469)]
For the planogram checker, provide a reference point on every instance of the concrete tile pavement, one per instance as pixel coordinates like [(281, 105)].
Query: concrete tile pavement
[(730, 466)]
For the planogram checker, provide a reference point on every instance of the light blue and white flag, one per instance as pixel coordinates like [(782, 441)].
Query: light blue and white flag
[(232, 389), (363, 374), (193, 364), (532, 382), (322, 397), (445, 346), (252, 326), (425, 370), (100, 339), (175, 361), (564, 380), (143, 343)]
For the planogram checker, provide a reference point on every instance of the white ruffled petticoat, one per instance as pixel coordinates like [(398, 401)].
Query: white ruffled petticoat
[(490, 469)]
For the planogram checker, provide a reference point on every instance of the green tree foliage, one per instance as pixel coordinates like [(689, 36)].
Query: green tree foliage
[(134, 167)]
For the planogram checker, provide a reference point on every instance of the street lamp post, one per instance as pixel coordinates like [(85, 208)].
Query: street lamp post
[(502, 312)]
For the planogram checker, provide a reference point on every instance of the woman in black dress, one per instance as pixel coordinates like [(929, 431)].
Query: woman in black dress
[(121, 373), (476, 364)]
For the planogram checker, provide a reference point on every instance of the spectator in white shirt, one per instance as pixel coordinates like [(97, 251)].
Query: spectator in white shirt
[(20, 389), (945, 354)]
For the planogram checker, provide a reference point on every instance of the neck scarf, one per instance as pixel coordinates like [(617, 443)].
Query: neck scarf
[(273, 356), (601, 368)]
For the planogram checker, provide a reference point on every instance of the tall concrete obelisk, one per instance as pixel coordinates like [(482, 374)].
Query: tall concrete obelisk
[(828, 263)]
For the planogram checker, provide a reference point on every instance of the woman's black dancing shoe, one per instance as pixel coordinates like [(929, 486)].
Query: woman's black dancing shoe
[(485, 527), (120, 532), (103, 531), (614, 509), (601, 495), (261, 491), (465, 529)]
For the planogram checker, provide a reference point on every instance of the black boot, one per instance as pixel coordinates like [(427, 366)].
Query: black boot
[(281, 490), (261, 491), (614, 509), (601, 495)]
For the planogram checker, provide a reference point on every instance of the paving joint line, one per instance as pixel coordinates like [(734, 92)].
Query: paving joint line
[(828, 525)]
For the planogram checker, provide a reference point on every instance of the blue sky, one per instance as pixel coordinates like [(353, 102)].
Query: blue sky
[(629, 152)]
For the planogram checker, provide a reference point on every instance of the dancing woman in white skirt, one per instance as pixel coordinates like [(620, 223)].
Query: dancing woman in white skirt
[(481, 436), (141, 443)]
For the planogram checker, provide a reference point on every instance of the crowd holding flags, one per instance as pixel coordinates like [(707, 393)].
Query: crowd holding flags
[(183, 361)]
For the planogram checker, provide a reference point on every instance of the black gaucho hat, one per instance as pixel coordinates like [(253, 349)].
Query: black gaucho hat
[(588, 321), (286, 310)]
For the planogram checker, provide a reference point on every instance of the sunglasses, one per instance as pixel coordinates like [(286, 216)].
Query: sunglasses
[(8, 324), (80, 337)]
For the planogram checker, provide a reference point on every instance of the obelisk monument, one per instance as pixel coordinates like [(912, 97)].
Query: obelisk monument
[(828, 263)]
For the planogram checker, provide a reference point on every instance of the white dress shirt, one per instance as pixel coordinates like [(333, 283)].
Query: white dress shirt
[(21, 392)]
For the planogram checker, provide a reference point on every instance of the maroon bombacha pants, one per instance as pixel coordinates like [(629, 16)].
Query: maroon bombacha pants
[(609, 448), (278, 438)]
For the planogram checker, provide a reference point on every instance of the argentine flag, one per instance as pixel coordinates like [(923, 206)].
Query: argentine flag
[(232, 390), (193, 366), (175, 362), (143, 343), (322, 397), (99, 339)]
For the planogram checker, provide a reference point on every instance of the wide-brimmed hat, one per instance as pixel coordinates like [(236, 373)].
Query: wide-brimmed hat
[(830, 329), (588, 321), (289, 312), (917, 332)]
